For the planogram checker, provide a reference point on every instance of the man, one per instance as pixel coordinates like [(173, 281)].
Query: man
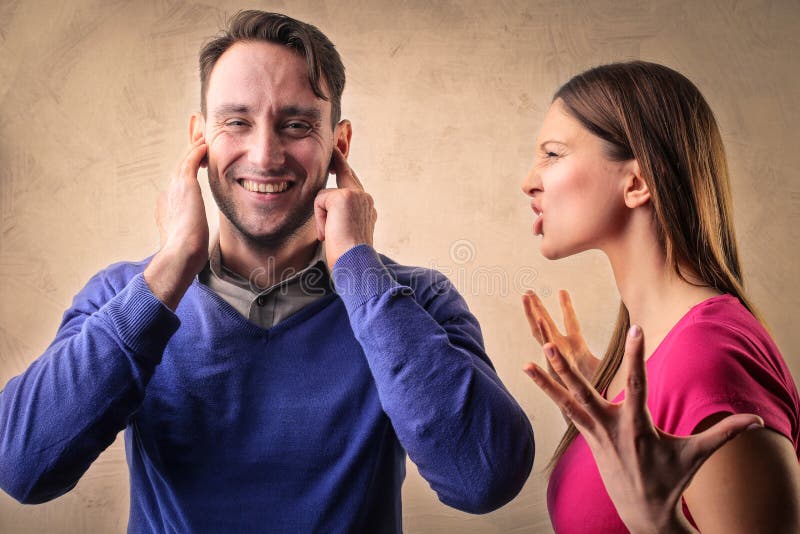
[(259, 390)]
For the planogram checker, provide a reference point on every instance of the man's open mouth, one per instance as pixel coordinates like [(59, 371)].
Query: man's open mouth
[(262, 187)]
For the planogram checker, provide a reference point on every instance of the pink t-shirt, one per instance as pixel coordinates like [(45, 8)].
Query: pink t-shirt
[(717, 358)]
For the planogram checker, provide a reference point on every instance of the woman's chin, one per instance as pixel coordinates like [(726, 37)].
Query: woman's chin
[(548, 252), (553, 253)]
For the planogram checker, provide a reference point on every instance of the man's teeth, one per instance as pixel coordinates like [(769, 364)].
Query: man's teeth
[(260, 187)]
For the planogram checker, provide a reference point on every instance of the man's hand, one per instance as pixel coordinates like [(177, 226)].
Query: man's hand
[(182, 224), (644, 470), (345, 216), (572, 344)]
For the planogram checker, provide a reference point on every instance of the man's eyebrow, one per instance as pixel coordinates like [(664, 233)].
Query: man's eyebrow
[(302, 111), (228, 109), (286, 111)]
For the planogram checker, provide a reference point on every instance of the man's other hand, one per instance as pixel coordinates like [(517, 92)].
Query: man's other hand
[(345, 216)]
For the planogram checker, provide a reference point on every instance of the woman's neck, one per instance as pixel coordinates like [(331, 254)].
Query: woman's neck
[(655, 295)]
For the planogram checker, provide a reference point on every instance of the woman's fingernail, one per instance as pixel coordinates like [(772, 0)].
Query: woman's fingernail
[(635, 331), (550, 352)]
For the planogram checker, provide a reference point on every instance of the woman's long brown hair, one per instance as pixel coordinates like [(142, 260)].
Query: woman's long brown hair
[(653, 114)]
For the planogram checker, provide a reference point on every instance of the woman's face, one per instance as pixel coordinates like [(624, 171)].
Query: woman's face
[(576, 191)]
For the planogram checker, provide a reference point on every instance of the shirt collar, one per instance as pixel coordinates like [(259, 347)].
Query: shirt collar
[(318, 263)]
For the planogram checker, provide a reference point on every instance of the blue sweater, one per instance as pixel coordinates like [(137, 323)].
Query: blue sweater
[(300, 428)]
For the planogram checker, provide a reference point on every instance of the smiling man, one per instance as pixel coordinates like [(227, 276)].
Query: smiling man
[(277, 382)]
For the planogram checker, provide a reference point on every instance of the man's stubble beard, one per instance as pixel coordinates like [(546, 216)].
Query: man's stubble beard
[(295, 220)]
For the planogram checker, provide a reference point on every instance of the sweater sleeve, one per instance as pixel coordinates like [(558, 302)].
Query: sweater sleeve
[(69, 405), (468, 437)]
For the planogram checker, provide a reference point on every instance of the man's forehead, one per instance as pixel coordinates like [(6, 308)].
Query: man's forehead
[(251, 70)]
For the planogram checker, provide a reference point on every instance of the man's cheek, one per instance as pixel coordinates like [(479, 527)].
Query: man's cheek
[(214, 169), (215, 159)]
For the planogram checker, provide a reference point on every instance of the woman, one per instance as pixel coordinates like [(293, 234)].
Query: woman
[(630, 161)]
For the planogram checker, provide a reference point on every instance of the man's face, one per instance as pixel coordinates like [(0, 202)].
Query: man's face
[(269, 142)]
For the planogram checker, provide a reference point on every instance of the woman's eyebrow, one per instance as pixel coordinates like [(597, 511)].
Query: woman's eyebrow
[(549, 141)]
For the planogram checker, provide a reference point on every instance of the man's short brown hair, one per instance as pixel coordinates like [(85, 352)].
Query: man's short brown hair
[(325, 68)]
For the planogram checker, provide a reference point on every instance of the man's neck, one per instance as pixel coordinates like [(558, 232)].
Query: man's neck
[(270, 263)]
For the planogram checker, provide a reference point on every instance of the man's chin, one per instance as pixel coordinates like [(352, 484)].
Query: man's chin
[(273, 236)]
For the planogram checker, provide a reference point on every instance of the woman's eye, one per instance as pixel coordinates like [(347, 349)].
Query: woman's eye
[(548, 157)]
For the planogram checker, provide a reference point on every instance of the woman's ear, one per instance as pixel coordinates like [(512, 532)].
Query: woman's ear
[(636, 191), (197, 127)]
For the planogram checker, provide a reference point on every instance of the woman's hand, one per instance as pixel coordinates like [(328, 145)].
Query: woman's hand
[(572, 344), (645, 470)]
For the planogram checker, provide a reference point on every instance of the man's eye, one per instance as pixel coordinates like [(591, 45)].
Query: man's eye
[(296, 128), (235, 123)]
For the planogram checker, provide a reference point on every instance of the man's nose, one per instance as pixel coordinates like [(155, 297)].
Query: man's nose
[(266, 150)]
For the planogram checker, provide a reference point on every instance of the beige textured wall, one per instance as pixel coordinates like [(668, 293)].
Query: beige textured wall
[(445, 99)]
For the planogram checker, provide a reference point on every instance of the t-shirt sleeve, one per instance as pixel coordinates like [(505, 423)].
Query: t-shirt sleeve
[(712, 368)]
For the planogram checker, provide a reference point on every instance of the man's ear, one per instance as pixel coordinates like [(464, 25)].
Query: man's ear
[(636, 191), (197, 126), (341, 136), (197, 129)]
